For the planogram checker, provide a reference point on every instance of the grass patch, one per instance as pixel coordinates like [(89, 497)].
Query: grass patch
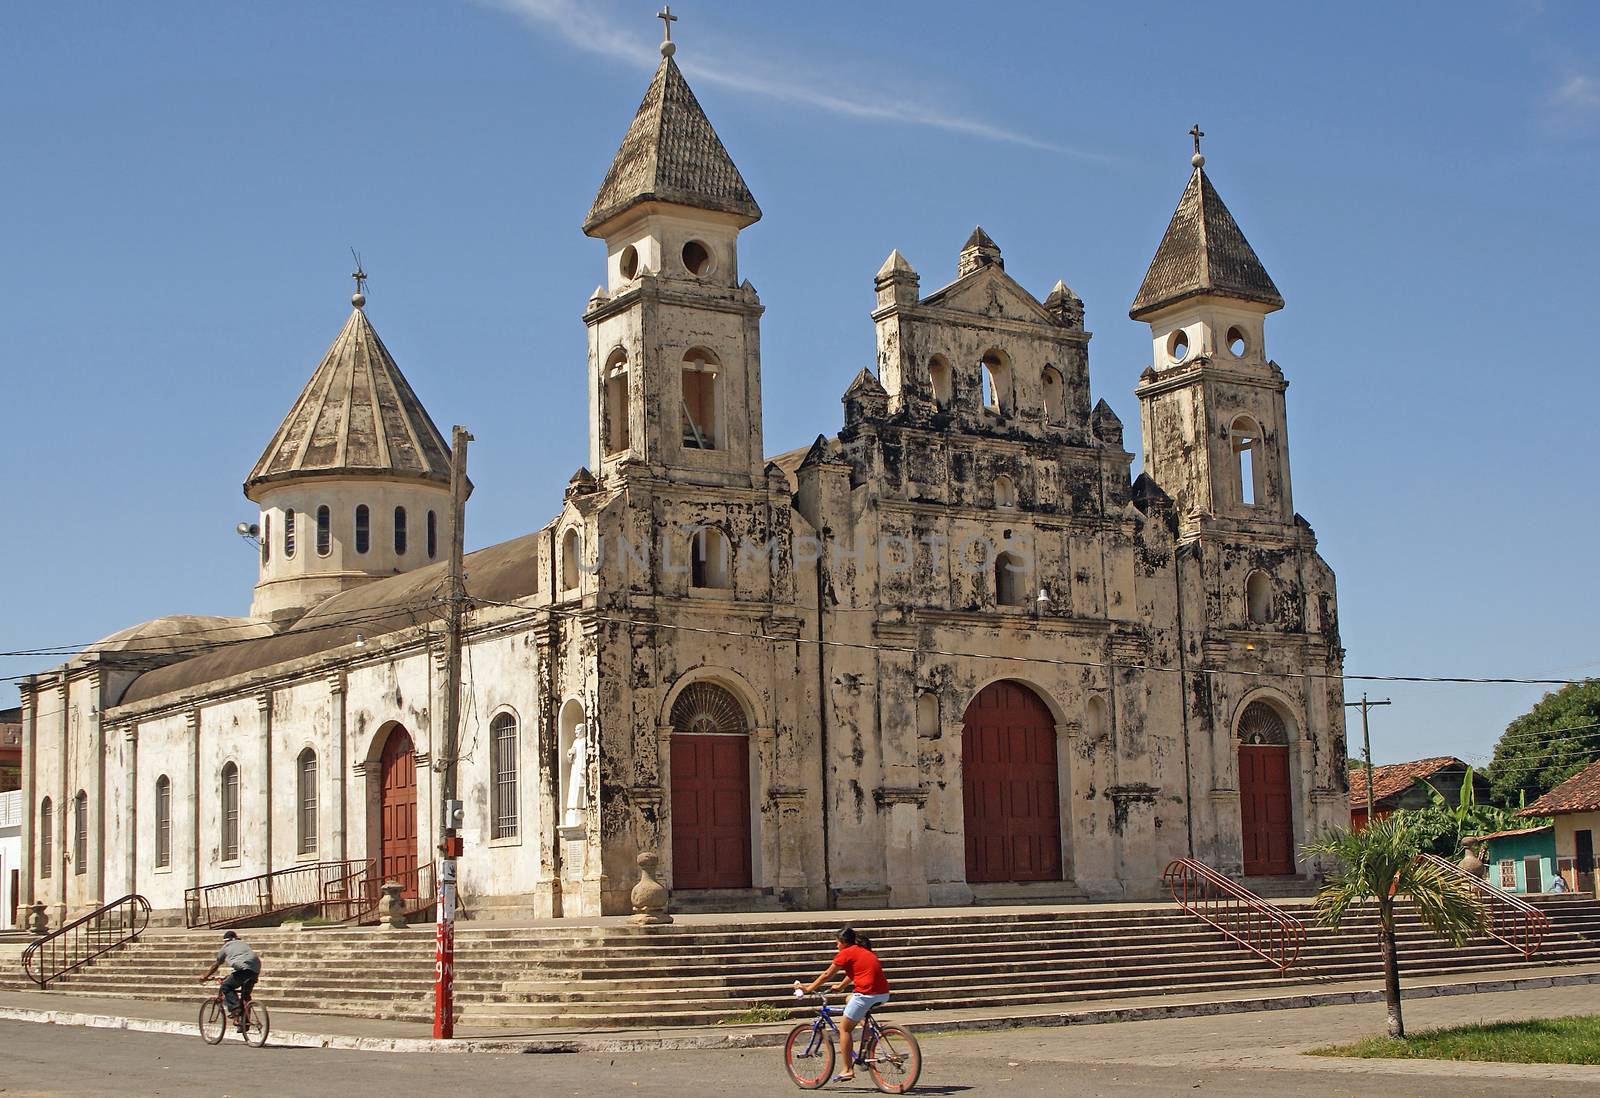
[(1573, 1040), (755, 1016)]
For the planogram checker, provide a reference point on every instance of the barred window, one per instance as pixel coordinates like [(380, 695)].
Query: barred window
[(1508, 875), (363, 528), (47, 838), (399, 531), (324, 531), (503, 733), (306, 798), (433, 536), (80, 833), (288, 533), (230, 813), (163, 822)]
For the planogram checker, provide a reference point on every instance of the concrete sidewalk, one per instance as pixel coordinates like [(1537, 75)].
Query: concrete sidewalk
[(375, 1035)]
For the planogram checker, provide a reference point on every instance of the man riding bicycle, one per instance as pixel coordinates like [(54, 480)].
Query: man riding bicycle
[(244, 969)]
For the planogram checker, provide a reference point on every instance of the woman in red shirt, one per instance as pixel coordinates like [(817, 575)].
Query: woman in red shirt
[(859, 965)]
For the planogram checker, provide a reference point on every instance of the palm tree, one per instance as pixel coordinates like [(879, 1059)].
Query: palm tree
[(1381, 863)]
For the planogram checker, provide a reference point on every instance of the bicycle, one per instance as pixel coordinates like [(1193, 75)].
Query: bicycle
[(890, 1053), (253, 1023)]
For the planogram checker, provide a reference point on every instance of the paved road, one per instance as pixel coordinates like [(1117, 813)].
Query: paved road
[(1244, 1055)]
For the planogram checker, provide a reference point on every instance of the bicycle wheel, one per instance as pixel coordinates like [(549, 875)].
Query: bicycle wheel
[(213, 1022), (258, 1025), (810, 1061), (894, 1058)]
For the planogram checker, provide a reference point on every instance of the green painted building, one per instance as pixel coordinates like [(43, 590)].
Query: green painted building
[(1522, 860)]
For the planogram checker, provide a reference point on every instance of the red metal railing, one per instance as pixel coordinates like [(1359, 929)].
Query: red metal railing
[(358, 895), (266, 895), (1511, 919), (1237, 912), (82, 940)]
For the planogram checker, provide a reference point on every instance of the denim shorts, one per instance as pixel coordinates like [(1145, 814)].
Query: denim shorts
[(856, 1007)]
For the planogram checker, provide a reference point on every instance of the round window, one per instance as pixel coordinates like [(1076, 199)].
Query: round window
[(696, 258), (1236, 343), (1178, 345), (629, 263)]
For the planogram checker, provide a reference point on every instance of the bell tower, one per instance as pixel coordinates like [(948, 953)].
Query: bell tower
[(674, 335), (1212, 402)]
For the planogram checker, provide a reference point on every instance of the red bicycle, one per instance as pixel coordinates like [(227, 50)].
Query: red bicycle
[(253, 1022)]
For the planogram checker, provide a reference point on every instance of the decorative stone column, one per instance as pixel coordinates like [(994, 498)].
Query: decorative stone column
[(650, 897), (341, 747), (38, 921), (393, 907), (264, 734), (793, 832), (904, 869)]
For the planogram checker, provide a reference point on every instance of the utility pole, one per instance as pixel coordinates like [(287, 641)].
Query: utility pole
[(1366, 742), (444, 953)]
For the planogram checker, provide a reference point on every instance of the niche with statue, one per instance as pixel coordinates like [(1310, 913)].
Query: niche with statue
[(574, 761)]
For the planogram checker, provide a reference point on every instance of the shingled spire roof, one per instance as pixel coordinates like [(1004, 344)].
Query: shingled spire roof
[(357, 416), (1203, 252), (671, 153)]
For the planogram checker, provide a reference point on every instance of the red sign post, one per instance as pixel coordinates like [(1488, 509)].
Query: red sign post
[(444, 952)]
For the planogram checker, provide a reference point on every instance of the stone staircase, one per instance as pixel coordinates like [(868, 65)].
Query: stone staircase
[(564, 976)]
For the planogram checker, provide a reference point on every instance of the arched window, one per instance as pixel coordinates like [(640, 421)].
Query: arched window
[(288, 534), (709, 558), (996, 383), (942, 381), (1009, 575), (433, 536), (1261, 724), (1005, 491), (266, 537), (363, 528), (1244, 434), (399, 531), (324, 531), (230, 813), (47, 838), (571, 559), (616, 399), (305, 776), (1258, 598), (80, 833), (1055, 397), (699, 404), (707, 707), (163, 822), (503, 779)]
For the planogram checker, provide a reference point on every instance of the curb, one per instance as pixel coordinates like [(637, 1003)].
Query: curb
[(600, 1043)]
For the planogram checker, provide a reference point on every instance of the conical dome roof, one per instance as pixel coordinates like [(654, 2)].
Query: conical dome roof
[(671, 153), (1203, 252), (357, 416)]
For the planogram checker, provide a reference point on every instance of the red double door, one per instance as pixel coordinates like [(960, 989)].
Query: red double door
[(1009, 787), (397, 821), (1265, 818), (710, 811)]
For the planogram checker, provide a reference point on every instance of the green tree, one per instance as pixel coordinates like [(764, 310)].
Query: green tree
[(1443, 827), (1380, 864), (1548, 744)]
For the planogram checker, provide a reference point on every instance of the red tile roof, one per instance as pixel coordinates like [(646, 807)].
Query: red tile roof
[(1394, 779), (1579, 793)]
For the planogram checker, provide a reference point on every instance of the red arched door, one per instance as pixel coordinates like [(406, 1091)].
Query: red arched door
[(397, 820), (1009, 787), (710, 790), (1265, 821)]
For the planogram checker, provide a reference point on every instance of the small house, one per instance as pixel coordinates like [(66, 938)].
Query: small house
[(1407, 784), (1575, 805)]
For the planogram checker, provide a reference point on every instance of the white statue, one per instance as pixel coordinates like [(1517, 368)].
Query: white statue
[(577, 778)]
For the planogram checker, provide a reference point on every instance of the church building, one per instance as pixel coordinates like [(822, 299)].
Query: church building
[(951, 652)]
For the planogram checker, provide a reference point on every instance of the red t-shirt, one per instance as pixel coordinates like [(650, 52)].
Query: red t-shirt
[(862, 966)]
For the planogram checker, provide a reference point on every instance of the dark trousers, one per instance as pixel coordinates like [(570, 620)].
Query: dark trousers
[(238, 982)]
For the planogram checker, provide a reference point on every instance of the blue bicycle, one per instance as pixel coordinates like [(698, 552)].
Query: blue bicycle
[(890, 1053)]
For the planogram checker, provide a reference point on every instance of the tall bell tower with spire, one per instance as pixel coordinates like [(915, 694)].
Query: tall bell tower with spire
[(674, 337)]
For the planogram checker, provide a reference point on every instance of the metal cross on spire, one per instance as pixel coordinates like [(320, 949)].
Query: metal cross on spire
[(359, 298), (1197, 133), (667, 19)]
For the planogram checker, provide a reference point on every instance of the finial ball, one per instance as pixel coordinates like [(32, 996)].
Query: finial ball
[(1197, 160), (358, 300), (668, 48)]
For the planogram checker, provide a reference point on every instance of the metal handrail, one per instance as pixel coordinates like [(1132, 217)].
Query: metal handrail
[(1511, 920), (1238, 913), (364, 893), (276, 892), (85, 938)]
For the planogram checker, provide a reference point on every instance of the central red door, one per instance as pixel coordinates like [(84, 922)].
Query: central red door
[(1009, 787), (1264, 816), (397, 822), (710, 811)]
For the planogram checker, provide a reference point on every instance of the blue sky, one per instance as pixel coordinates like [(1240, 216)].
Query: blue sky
[(183, 182)]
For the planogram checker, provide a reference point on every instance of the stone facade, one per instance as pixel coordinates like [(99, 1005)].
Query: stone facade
[(953, 653)]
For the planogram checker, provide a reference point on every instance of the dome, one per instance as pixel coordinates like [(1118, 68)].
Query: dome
[(174, 637)]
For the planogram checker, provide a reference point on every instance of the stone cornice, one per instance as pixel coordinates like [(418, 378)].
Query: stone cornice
[(650, 289), (1204, 369), (938, 314)]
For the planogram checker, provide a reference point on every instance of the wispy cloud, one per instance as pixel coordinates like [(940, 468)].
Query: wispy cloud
[(1575, 104), (587, 28)]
